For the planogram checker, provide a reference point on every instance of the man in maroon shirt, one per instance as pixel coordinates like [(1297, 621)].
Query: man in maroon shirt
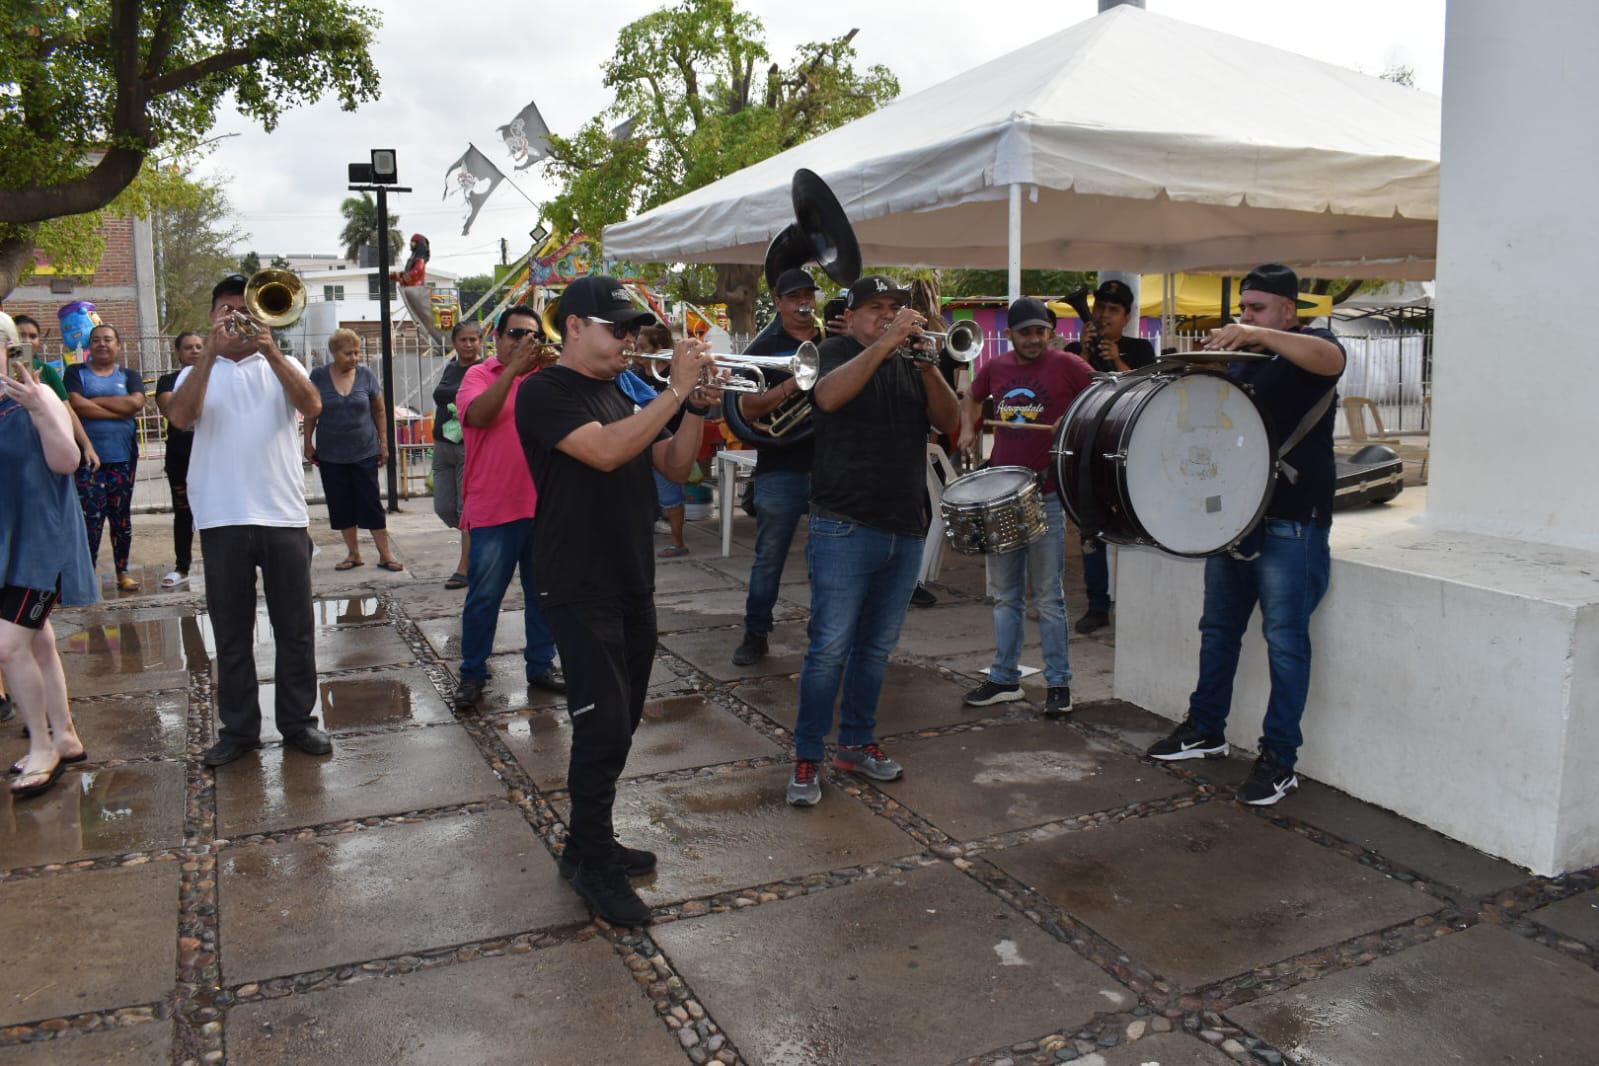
[(1031, 386)]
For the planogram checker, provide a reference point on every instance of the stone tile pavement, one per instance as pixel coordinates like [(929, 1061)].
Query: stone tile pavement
[(1032, 891)]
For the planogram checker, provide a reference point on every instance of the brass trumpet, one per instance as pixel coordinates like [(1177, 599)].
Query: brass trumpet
[(273, 299), (805, 365)]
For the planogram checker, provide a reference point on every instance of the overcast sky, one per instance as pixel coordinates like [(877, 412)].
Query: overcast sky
[(443, 87)]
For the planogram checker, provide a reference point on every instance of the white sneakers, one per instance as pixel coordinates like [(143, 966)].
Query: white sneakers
[(174, 580)]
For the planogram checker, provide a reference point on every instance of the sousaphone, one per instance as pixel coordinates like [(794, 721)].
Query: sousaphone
[(820, 233)]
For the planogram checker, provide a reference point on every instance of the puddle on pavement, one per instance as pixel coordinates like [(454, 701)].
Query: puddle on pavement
[(96, 812)]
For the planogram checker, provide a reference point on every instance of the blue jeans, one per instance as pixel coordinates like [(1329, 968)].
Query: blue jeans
[(496, 551), (1096, 574), (861, 585), (1043, 561), (1289, 579), (781, 498)]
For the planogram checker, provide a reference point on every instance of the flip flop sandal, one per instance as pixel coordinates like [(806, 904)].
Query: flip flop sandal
[(456, 580), (393, 566), (349, 564), (82, 756), (20, 791), (672, 552)]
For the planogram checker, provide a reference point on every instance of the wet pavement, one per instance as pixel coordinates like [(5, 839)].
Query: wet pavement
[(1031, 892)]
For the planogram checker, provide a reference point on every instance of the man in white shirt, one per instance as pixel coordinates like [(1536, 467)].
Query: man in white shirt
[(243, 398)]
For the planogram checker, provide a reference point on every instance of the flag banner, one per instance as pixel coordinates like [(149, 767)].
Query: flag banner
[(475, 178), (526, 136), (623, 131)]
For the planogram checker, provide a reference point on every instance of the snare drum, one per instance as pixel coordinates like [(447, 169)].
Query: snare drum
[(991, 511), (1181, 459)]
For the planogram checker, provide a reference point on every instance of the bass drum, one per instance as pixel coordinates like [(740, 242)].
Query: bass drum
[(1181, 460)]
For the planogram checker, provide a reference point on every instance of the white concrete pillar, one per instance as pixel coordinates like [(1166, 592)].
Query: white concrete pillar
[(1515, 380)]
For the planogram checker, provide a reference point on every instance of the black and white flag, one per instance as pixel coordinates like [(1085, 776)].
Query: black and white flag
[(623, 130), (526, 136), (475, 178)]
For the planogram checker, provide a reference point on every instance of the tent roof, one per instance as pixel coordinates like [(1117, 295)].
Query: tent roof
[(1143, 143)]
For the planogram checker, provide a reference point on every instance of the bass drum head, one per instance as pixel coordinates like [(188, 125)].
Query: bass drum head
[(985, 486), (1199, 465)]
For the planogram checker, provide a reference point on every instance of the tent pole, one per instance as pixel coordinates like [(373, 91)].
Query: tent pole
[(1014, 243)]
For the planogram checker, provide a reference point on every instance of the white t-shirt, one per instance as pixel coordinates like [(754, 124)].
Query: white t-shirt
[(245, 469)]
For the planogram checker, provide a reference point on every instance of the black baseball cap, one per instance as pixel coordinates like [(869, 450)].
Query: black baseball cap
[(1273, 278), (602, 298), (1029, 312), (1116, 292), (874, 285), (793, 280)]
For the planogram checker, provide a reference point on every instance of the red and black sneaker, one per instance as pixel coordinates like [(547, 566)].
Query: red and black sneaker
[(805, 785)]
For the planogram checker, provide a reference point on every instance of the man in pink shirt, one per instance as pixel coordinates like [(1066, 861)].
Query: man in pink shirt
[(499, 505)]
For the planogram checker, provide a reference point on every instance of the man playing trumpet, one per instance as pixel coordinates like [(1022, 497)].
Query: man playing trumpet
[(869, 515), (590, 453)]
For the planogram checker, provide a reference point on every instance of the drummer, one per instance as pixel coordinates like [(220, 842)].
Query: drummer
[(1031, 386), (1110, 352), (1288, 573)]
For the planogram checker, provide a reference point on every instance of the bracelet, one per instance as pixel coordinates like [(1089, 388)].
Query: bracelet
[(695, 409), (678, 396)]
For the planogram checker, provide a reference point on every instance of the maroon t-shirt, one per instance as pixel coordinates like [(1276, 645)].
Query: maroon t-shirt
[(1037, 393)]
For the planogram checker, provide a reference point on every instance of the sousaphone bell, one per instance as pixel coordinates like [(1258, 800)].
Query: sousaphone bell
[(820, 233)]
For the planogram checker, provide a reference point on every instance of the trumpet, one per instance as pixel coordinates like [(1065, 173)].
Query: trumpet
[(273, 299), (805, 365), (963, 341)]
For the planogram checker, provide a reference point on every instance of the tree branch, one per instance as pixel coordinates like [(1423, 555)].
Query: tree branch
[(161, 41), (216, 64), (38, 203)]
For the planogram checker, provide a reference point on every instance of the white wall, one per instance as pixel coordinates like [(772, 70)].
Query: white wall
[(1515, 387)]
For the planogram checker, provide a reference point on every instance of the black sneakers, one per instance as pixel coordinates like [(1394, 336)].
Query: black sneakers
[(1093, 621), (1186, 742), (604, 886), (989, 693), (1268, 782), (751, 651), (636, 862), (922, 598), (1058, 701), (467, 693)]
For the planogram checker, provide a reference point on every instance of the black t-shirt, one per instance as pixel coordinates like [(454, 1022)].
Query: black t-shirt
[(1135, 352), (592, 535), (444, 394), (180, 442), (791, 457), (1287, 393), (871, 454)]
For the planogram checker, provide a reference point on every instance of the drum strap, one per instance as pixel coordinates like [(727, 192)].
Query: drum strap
[(1302, 430)]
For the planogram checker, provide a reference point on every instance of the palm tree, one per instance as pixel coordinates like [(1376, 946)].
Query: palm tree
[(361, 227)]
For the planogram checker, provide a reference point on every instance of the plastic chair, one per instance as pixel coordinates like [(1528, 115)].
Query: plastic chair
[(1355, 409)]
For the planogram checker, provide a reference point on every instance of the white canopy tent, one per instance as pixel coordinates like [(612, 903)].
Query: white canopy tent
[(1129, 141)]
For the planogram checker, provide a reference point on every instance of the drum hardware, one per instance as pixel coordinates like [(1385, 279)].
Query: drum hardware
[(804, 365), (820, 233), (273, 299), (994, 510)]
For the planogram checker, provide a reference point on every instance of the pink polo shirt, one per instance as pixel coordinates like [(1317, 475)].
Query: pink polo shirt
[(499, 487)]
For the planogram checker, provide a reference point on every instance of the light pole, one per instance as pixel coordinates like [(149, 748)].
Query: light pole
[(380, 176)]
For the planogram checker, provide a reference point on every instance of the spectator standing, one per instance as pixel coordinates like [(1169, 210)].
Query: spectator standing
[(349, 441), (449, 449), (180, 444), (108, 398), (30, 335)]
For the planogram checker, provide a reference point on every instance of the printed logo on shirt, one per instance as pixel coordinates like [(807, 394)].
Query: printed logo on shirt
[(1020, 404)]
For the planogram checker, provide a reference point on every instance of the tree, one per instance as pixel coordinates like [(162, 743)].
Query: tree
[(193, 244), (1050, 283), (280, 263), (361, 227), (249, 263), (88, 91), (703, 98)]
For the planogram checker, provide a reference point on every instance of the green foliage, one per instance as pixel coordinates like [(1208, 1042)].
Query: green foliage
[(279, 263), (89, 89), (706, 99), (1051, 283), (249, 263), (361, 227), (193, 242)]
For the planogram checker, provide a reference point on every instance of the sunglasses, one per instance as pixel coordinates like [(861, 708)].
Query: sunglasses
[(620, 330), (516, 333)]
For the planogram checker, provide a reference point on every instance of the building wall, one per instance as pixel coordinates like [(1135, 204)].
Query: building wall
[(122, 290)]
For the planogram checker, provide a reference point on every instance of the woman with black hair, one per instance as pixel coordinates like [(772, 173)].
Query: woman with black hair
[(180, 444)]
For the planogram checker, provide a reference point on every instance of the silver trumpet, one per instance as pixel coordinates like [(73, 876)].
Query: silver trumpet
[(963, 341), (805, 365)]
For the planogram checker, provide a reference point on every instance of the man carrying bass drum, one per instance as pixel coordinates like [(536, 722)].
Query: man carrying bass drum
[(1108, 352), (1031, 385), (782, 471), (1284, 564)]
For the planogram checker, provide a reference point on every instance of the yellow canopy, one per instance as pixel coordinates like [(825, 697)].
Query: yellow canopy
[(1199, 296)]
